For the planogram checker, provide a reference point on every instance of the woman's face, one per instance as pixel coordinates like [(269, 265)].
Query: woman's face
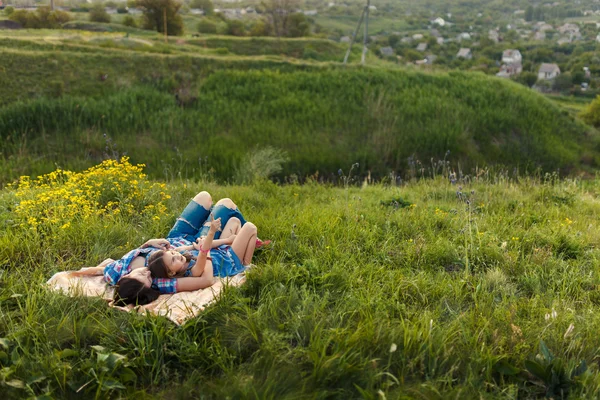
[(174, 261), (142, 275)]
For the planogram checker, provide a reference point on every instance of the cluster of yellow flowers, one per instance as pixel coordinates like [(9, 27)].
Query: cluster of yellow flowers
[(440, 212), (109, 189)]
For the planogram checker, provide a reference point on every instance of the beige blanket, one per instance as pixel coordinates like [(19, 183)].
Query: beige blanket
[(178, 307)]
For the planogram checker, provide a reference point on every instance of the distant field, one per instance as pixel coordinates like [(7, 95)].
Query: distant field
[(347, 24), (573, 104)]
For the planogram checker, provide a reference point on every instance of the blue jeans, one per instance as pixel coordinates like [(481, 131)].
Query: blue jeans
[(190, 224)]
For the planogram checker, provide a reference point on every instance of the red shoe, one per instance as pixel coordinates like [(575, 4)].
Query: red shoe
[(262, 243)]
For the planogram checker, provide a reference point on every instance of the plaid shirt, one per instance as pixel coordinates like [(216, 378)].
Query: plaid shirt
[(114, 271)]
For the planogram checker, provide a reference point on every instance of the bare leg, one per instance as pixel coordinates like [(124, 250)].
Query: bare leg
[(232, 227), (204, 199), (244, 243)]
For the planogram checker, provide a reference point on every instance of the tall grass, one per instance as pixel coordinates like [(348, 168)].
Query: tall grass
[(384, 120), (364, 294)]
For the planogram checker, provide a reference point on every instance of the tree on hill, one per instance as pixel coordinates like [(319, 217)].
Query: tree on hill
[(279, 12), (129, 21), (236, 27), (591, 114), (563, 82), (297, 25), (154, 13), (42, 18), (205, 26), (527, 78), (99, 14), (260, 28)]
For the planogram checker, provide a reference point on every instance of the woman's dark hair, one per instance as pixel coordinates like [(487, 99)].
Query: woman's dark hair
[(158, 268), (132, 291)]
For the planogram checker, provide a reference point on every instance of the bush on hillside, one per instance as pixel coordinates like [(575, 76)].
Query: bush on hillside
[(260, 28), (129, 21), (9, 10), (591, 114), (42, 18), (236, 27), (297, 25), (205, 26), (562, 82), (154, 12), (527, 78), (260, 164), (122, 10), (99, 14)]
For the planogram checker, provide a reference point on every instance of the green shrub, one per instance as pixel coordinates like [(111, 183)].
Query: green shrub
[(42, 18), (99, 14), (591, 114), (260, 165), (129, 21), (205, 26), (9, 10), (260, 28), (236, 27), (154, 16)]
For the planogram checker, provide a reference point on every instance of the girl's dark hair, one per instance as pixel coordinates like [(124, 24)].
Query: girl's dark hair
[(158, 268), (132, 291)]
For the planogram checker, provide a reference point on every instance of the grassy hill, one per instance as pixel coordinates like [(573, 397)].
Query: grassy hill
[(409, 292), (214, 99)]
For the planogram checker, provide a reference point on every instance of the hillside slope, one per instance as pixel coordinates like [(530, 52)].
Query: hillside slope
[(325, 116)]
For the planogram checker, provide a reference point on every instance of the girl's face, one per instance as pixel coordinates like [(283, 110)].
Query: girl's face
[(174, 261), (142, 275)]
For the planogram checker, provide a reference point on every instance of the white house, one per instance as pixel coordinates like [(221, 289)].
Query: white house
[(508, 70), (439, 21), (417, 36), (464, 36), (511, 56), (494, 35), (548, 71), (387, 51), (464, 53), (422, 47)]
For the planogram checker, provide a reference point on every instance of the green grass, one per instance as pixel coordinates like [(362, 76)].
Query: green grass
[(462, 292), (574, 105), (377, 24), (325, 118)]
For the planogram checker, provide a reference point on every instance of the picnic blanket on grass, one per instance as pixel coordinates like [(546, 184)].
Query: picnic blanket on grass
[(178, 307)]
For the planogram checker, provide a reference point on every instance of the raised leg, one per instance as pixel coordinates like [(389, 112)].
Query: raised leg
[(244, 243)]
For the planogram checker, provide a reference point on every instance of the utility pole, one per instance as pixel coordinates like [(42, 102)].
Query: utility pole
[(364, 53), (52, 5), (165, 23), (366, 34), (354, 36)]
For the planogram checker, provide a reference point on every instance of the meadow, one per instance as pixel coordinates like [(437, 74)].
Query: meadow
[(482, 288), (433, 233), (321, 114)]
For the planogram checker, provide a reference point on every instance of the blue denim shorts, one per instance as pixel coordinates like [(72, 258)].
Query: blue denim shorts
[(189, 222), (225, 213)]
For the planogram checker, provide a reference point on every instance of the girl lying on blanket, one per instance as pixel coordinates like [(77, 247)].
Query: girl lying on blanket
[(193, 253)]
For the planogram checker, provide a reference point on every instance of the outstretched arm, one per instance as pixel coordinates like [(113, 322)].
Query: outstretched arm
[(204, 248), (195, 283), (91, 271)]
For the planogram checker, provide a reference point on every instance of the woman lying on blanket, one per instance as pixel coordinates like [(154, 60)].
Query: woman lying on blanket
[(207, 252)]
